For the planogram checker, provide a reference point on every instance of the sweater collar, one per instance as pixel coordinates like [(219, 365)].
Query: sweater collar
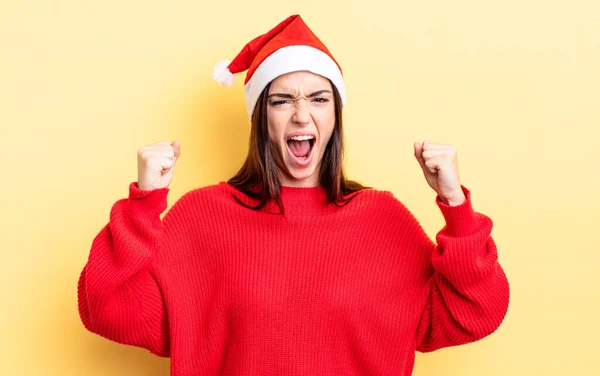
[(316, 194), (297, 201), (302, 201)]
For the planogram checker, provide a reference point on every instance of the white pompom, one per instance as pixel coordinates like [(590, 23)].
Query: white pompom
[(222, 74)]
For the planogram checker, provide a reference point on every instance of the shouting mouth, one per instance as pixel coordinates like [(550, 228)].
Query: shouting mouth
[(300, 149)]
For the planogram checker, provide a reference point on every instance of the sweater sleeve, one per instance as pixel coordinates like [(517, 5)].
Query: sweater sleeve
[(469, 292), (118, 295)]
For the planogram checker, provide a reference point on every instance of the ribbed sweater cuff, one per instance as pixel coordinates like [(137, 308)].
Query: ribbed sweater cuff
[(460, 219), (155, 200)]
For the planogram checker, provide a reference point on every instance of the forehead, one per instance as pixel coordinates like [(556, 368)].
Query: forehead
[(302, 81)]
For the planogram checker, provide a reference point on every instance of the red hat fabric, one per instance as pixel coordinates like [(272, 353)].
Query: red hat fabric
[(288, 47)]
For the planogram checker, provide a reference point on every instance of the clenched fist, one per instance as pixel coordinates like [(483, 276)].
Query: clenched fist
[(440, 167), (156, 163)]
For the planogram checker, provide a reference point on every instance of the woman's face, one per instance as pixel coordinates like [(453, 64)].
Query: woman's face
[(301, 118)]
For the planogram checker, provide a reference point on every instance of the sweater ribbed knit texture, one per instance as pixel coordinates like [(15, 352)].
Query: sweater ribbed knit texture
[(322, 290)]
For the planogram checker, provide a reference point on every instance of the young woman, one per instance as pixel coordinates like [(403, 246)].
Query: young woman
[(289, 268)]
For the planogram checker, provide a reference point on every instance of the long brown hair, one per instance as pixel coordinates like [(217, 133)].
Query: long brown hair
[(258, 177)]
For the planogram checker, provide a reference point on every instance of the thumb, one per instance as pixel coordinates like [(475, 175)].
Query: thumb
[(419, 153), (176, 148)]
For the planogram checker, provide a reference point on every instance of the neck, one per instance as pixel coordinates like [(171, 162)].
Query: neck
[(310, 181)]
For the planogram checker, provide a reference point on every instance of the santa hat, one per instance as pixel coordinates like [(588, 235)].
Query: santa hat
[(289, 47)]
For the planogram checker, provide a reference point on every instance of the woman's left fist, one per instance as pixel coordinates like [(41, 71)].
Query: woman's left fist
[(440, 167)]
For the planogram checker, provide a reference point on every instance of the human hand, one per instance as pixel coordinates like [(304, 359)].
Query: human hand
[(156, 163), (440, 167)]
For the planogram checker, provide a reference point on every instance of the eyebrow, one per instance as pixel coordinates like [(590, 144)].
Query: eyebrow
[(290, 96)]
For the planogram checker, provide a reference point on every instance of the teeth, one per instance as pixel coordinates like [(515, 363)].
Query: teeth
[(301, 138)]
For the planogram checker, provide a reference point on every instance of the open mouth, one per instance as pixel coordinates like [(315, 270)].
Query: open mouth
[(300, 148)]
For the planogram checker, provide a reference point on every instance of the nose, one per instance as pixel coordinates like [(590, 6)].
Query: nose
[(302, 113)]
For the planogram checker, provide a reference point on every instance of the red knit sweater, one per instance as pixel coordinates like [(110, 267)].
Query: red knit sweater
[(322, 290)]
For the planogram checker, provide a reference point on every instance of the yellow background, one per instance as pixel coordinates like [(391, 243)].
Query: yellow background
[(514, 85)]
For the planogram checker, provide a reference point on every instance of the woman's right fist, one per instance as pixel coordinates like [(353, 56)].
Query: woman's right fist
[(156, 163)]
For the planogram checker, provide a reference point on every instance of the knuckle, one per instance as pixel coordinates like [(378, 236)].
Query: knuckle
[(146, 156)]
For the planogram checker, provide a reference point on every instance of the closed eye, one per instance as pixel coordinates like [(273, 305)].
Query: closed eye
[(283, 101)]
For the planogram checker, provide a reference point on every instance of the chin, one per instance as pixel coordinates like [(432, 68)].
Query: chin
[(297, 175)]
